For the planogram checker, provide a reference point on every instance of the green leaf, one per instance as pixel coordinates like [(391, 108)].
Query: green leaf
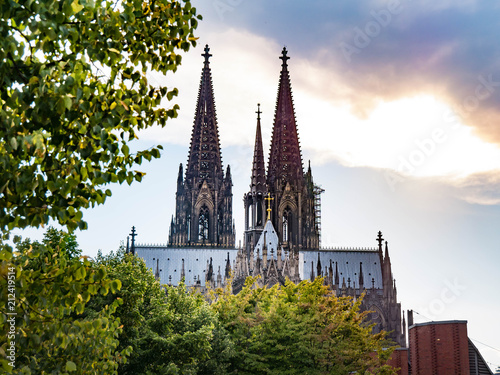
[(115, 286), (13, 143), (67, 102), (66, 105), (76, 6), (70, 366)]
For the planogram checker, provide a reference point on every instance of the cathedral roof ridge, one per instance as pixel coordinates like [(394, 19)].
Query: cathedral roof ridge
[(151, 245), (342, 248)]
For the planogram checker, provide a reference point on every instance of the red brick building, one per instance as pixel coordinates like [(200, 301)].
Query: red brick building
[(439, 348)]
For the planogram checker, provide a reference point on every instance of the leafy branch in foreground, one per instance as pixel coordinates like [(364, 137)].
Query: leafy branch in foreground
[(74, 93), (48, 288)]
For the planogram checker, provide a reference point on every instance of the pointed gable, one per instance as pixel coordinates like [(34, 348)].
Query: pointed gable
[(272, 242)]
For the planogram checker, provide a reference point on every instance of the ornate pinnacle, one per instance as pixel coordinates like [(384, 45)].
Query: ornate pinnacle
[(207, 55), (380, 239), (258, 111), (284, 57)]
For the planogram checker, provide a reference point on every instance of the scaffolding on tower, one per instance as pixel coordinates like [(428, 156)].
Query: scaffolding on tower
[(317, 209)]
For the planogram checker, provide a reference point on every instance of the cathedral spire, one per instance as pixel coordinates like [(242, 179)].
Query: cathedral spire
[(204, 198), (285, 158), (258, 183), (386, 256), (205, 161)]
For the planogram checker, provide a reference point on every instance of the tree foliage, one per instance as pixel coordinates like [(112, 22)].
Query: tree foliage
[(74, 93), (48, 289), (299, 329), (170, 330)]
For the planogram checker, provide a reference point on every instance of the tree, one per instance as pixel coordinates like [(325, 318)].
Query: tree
[(73, 95), (170, 330), (298, 329), (41, 314)]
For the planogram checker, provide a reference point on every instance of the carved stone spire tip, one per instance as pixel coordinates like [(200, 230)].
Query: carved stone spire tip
[(284, 57), (207, 54)]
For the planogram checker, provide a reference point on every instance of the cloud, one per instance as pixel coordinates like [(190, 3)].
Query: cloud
[(379, 110), (404, 48), (480, 188)]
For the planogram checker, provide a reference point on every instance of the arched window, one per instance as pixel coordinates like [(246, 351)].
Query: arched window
[(220, 224), (252, 215), (203, 222), (287, 222), (375, 317), (259, 212)]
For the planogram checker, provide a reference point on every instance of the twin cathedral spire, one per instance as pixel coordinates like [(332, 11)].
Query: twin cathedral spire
[(204, 198), (293, 214), (204, 195)]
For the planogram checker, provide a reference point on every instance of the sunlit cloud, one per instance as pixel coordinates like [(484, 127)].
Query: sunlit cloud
[(418, 135)]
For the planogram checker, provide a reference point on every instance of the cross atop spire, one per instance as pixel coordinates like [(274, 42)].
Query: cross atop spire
[(268, 199), (207, 54), (284, 57), (258, 111)]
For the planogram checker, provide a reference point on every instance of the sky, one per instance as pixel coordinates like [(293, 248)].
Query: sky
[(397, 107)]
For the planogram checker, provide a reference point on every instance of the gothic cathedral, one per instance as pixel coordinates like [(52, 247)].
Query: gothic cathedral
[(282, 220)]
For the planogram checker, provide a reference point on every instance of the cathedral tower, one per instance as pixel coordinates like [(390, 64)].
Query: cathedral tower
[(203, 213), (255, 209), (293, 213)]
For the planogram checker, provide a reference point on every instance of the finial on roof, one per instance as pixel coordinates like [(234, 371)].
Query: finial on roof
[(207, 54), (133, 234), (258, 111), (284, 57), (380, 239)]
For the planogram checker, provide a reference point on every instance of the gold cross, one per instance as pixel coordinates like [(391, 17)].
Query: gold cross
[(268, 199)]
